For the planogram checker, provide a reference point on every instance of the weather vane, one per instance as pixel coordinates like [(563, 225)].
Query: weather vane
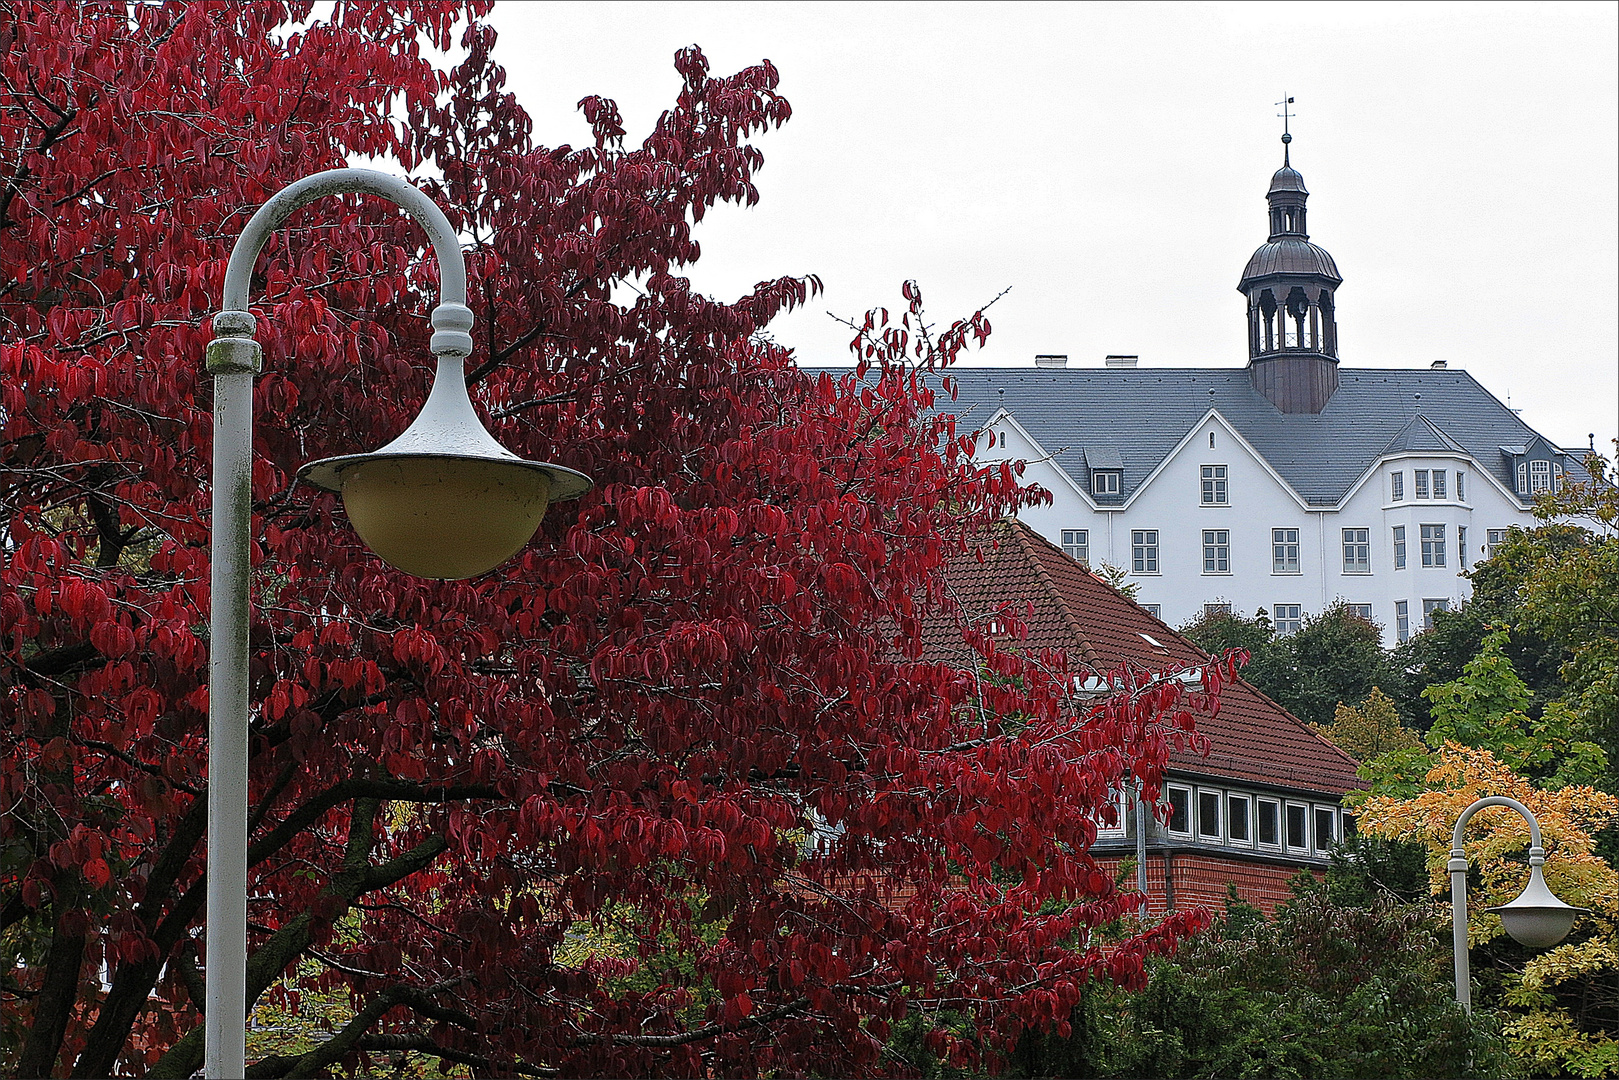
[(1287, 136)]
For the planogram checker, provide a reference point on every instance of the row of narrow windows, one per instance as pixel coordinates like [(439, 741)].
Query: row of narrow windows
[(1289, 618)]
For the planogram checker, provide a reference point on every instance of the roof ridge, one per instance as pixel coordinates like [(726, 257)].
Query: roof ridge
[(1025, 534)]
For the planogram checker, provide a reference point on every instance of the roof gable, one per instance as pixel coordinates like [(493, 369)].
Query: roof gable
[(1421, 435), (1253, 739)]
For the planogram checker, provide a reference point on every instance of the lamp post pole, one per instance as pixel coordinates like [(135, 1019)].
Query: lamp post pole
[(234, 358), (1535, 918)]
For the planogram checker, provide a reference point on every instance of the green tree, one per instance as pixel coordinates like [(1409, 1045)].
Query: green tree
[(1323, 990), (1486, 709), (1336, 657)]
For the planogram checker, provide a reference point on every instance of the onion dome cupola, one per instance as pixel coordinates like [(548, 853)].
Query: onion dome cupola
[(1289, 283)]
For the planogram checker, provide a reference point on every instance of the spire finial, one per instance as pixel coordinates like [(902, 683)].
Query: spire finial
[(1287, 136)]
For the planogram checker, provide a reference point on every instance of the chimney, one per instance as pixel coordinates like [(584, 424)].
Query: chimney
[(1118, 361), (1051, 360), (1439, 365)]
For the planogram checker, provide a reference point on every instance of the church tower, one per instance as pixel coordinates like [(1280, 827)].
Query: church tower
[(1289, 283)]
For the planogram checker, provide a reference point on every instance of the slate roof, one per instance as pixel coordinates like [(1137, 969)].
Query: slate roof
[(1419, 435), (1254, 740), (1145, 412)]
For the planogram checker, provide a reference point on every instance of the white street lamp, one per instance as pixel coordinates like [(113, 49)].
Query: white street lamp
[(1536, 918), (444, 500)]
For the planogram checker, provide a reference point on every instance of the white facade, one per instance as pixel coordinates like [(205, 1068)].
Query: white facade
[(1264, 547)]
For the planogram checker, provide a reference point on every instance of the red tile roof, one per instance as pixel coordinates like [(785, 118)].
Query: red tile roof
[(1253, 739)]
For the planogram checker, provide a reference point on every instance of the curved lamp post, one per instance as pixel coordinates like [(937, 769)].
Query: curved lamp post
[(444, 500), (1536, 918)]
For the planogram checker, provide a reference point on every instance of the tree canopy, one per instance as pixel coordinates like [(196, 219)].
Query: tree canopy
[(697, 703)]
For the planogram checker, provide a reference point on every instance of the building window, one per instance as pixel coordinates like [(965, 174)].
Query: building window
[(1433, 545), (1493, 539), (1076, 544), (1284, 551), (1397, 487), (1214, 485), (1326, 834), (1216, 610), (1461, 486), (1540, 477), (1208, 815), (1144, 551), (1270, 827), (1421, 477), (1180, 810), (1557, 476), (1216, 551), (1155, 610), (1439, 483), (1402, 621), (1357, 551), (1461, 546), (1105, 482), (1523, 478), (1429, 607), (1399, 547), (1298, 827), (1236, 819), (1287, 619), (1363, 611)]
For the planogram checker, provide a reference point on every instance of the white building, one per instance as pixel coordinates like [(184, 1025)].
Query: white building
[(1283, 486)]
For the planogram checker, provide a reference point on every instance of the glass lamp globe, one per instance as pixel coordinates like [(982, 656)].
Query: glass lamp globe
[(1537, 918), (445, 500)]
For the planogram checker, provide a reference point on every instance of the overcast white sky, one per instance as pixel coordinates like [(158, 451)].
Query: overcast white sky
[(1109, 162)]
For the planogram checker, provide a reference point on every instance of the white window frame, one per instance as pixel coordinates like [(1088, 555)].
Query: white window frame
[(1397, 486), (1237, 798), (1144, 553), (1493, 539), (1259, 813), (1217, 551), (1402, 621), (1169, 801), (1155, 610), (1363, 610), (1461, 546), (1215, 489), (1439, 484), (1121, 806), (1291, 614), (1433, 545), (1357, 551), (1461, 486), (1218, 836), (1399, 547), (1540, 476), (1287, 821), (1076, 544), (1316, 812), (1419, 483), (1285, 542), (1104, 481), (1216, 607), (1523, 478)]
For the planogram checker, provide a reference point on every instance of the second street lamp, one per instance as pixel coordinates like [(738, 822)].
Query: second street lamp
[(444, 500), (1536, 918)]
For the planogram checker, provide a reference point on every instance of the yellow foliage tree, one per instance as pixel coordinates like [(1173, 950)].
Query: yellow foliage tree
[(1543, 1033), (1370, 729)]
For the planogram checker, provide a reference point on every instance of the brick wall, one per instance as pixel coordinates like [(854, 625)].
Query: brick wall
[(1199, 880)]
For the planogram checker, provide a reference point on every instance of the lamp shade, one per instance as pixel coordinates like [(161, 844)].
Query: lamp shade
[(445, 500), (1537, 918)]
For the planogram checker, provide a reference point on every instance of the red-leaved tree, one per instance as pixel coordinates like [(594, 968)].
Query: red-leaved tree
[(674, 792)]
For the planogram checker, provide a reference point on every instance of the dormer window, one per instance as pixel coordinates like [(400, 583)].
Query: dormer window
[(1104, 482), (1540, 476)]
